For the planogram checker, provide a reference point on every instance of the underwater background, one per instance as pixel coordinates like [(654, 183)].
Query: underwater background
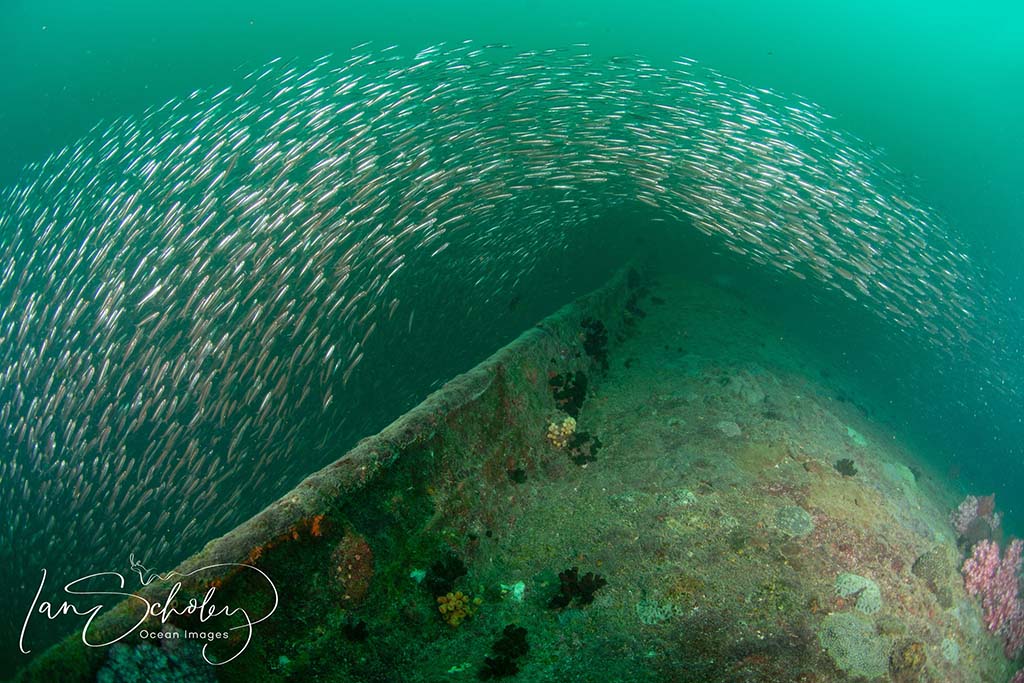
[(934, 86)]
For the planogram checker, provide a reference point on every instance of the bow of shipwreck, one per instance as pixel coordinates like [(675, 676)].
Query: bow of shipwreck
[(658, 482)]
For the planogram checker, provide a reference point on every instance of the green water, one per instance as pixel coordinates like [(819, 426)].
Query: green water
[(936, 86)]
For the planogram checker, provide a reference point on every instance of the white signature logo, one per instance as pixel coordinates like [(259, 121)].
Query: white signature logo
[(204, 608)]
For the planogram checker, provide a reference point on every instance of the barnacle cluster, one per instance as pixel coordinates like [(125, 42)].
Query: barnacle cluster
[(560, 434)]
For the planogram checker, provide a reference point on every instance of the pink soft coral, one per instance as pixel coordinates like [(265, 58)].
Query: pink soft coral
[(995, 579), (972, 509)]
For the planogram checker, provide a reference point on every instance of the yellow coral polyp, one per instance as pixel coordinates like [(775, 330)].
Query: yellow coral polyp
[(560, 434), (455, 607)]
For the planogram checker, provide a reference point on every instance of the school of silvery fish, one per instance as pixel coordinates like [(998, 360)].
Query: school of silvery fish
[(188, 294)]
